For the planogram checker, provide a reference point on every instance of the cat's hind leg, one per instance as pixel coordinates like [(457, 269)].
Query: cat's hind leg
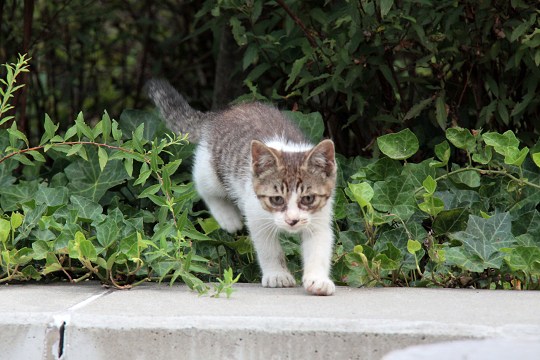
[(214, 195)]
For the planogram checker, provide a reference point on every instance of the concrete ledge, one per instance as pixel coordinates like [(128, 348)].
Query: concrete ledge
[(157, 321)]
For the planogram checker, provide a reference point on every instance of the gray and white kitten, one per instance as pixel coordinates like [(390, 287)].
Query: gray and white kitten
[(253, 164)]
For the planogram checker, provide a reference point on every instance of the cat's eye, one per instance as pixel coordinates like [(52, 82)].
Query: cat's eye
[(307, 200), (277, 200)]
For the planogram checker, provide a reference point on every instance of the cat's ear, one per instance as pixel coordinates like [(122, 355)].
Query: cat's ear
[(322, 157), (263, 158)]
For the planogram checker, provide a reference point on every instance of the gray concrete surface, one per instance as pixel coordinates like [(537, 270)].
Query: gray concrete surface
[(486, 349), (160, 322)]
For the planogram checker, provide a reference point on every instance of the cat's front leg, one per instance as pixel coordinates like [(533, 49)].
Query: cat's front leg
[(270, 254), (317, 243)]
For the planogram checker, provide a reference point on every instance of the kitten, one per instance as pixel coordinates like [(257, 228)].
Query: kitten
[(254, 164)]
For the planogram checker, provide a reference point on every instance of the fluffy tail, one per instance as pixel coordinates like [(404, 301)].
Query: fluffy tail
[(175, 110)]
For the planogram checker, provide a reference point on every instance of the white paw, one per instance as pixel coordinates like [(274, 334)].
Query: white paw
[(231, 223), (278, 279), (318, 285)]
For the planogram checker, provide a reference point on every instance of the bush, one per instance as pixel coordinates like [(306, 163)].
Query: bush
[(436, 204), (367, 66)]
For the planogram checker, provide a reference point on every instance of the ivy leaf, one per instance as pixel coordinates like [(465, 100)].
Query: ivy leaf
[(458, 256), (86, 208), (131, 120), (395, 196), (484, 238), (536, 158), (442, 151), (449, 221), (311, 124), (461, 138), (362, 193), (526, 259), (87, 179), (413, 246), (526, 228), (429, 184), (501, 142), (470, 178), (398, 146), (109, 231), (51, 196)]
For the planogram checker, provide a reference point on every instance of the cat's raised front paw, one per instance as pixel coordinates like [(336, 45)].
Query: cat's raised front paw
[(278, 279), (319, 285)]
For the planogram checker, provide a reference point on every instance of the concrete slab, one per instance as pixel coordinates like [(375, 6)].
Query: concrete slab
[(488, 349), (155, 321), (32, 317)]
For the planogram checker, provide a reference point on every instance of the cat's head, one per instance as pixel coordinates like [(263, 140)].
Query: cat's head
[(294, 186)]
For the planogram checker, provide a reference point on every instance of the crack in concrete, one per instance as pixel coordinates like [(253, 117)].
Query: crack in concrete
[(62, 320)]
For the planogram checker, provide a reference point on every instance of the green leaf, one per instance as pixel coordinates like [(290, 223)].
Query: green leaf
[(431, 205), (395, 196), (82, 128), (15, 134), (109, 231), (144, 174), (51, 196), (5, 229), (461, 138), (450, 221), (106, 127), (398, 146), (470, 178), (458, 256), (515, 157), (362, 193), (430, 185), (417, 109), (88, 180), (413, 246), (484, 238), (72, 131), (88, 250), (16, 220), (297, 66), (440, 111), (483, 156), (386, 6), (36, 155), (442, 151), (238, 31), (86, 208), (131, 121), (536, 158), (41, 249), (501, 142), (50, 130), (311, 124), (526, 259), (103, 158)]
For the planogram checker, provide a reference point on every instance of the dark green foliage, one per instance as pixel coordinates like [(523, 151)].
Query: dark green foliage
[(437, 204), (373, 64)]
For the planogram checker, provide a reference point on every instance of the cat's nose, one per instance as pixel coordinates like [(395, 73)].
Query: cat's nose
[(292, 222)]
